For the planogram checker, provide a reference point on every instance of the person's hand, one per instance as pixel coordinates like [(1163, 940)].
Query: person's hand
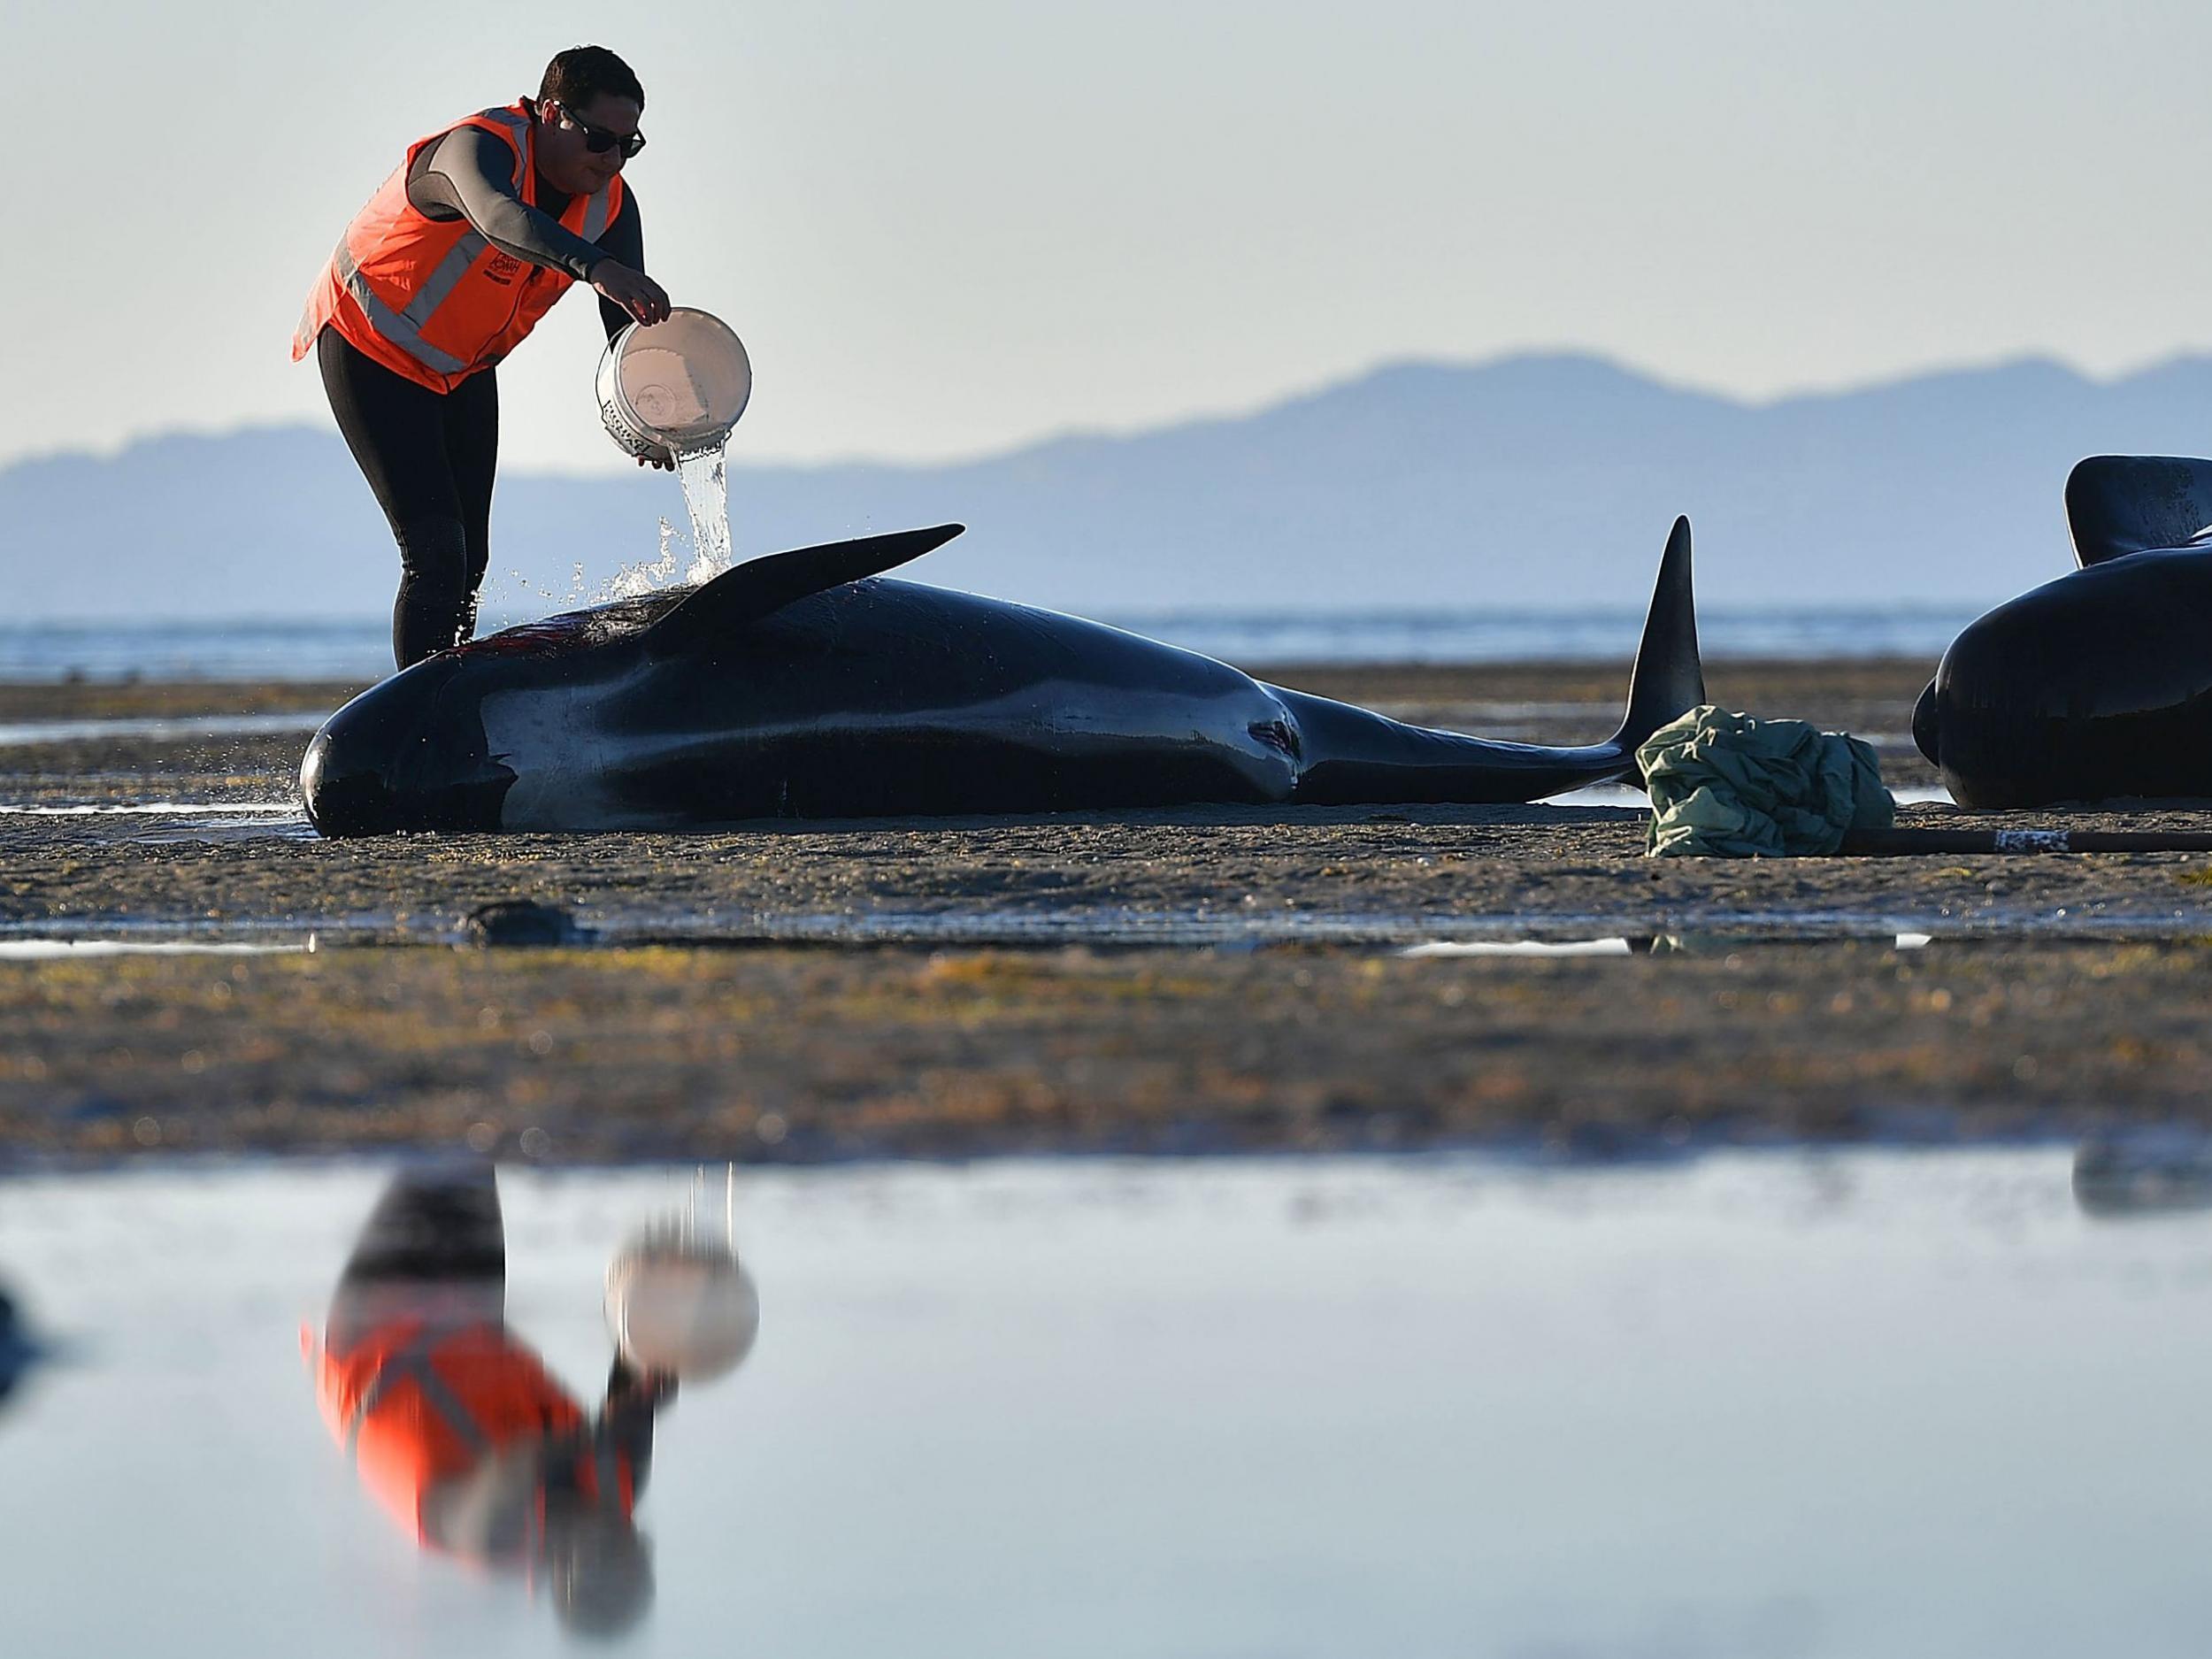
[(666, 463), (627, 1385), (633, 290)]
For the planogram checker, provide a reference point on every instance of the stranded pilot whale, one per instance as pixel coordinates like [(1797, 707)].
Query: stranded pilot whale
[(803, 685), (2097, 685)]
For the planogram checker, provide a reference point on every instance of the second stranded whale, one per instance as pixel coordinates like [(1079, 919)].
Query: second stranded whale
[(804, 685), (2098, 685)]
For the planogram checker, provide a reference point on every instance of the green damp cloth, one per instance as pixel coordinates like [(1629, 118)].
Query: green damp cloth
[(1727, 786)]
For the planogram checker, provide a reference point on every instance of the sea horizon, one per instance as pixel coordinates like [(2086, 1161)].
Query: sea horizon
[(323, 648)]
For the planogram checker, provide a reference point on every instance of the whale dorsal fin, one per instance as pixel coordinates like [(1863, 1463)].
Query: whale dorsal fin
[(2118, 504), (761, 587)]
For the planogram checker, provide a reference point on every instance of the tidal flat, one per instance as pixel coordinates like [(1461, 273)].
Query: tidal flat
[(1197, 981)]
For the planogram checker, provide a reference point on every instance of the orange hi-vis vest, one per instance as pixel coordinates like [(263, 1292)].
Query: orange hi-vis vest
[(415, 1406), (432, 299)]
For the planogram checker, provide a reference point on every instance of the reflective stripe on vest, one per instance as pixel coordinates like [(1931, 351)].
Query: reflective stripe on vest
[(446, 278), (402, 332), (596, 214), (411, 1364)]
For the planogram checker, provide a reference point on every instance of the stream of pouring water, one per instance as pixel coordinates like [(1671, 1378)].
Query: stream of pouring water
[(705, 475), (705, 478)]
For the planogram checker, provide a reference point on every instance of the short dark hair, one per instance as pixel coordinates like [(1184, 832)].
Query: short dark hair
[(579, 74)]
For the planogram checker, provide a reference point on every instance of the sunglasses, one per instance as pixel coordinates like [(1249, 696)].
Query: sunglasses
[(600, 140)]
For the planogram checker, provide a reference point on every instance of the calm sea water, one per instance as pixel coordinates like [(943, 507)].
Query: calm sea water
[(361, 649), (1782, 1405)]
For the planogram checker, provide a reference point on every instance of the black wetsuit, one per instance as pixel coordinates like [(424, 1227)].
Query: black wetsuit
[(430, 456)]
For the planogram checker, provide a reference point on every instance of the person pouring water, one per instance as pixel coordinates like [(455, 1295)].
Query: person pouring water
[(445, 271)]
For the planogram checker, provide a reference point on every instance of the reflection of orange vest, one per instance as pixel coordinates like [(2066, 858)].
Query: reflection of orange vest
[(432, 300), (417, 1407)]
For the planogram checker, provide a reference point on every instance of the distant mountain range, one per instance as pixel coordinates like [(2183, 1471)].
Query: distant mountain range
[(1535, 481)]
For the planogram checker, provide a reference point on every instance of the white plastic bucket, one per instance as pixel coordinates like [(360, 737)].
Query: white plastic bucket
[(679, 1305), (673, 388)]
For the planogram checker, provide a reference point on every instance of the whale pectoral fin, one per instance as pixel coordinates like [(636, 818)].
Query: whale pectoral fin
[(2118, 504), (761, 587)]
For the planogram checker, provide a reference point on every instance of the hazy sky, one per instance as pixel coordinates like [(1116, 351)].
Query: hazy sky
[(949, 228)]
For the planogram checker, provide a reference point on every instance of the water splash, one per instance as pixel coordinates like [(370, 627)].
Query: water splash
[(705, 479), (578, 592), (704, 476), (634, 581)]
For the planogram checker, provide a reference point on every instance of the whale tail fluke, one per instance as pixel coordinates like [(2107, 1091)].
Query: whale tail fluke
[(1669, 679)]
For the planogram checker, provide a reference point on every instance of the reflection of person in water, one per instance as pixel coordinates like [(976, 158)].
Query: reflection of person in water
[(459, 1428)]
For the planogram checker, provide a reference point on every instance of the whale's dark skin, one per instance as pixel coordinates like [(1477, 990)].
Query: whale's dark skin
[(2097, 686), (18, 1352), (802, 686)]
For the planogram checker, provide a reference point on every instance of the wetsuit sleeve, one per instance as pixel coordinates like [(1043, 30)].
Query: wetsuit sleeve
[(626, 1428), (626, 1419), (472, 172)]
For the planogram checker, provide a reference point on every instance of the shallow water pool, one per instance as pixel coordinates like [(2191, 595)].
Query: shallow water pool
[(1752, 1404)]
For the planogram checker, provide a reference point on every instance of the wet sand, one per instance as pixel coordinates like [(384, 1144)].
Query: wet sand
[(1157, 981)]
